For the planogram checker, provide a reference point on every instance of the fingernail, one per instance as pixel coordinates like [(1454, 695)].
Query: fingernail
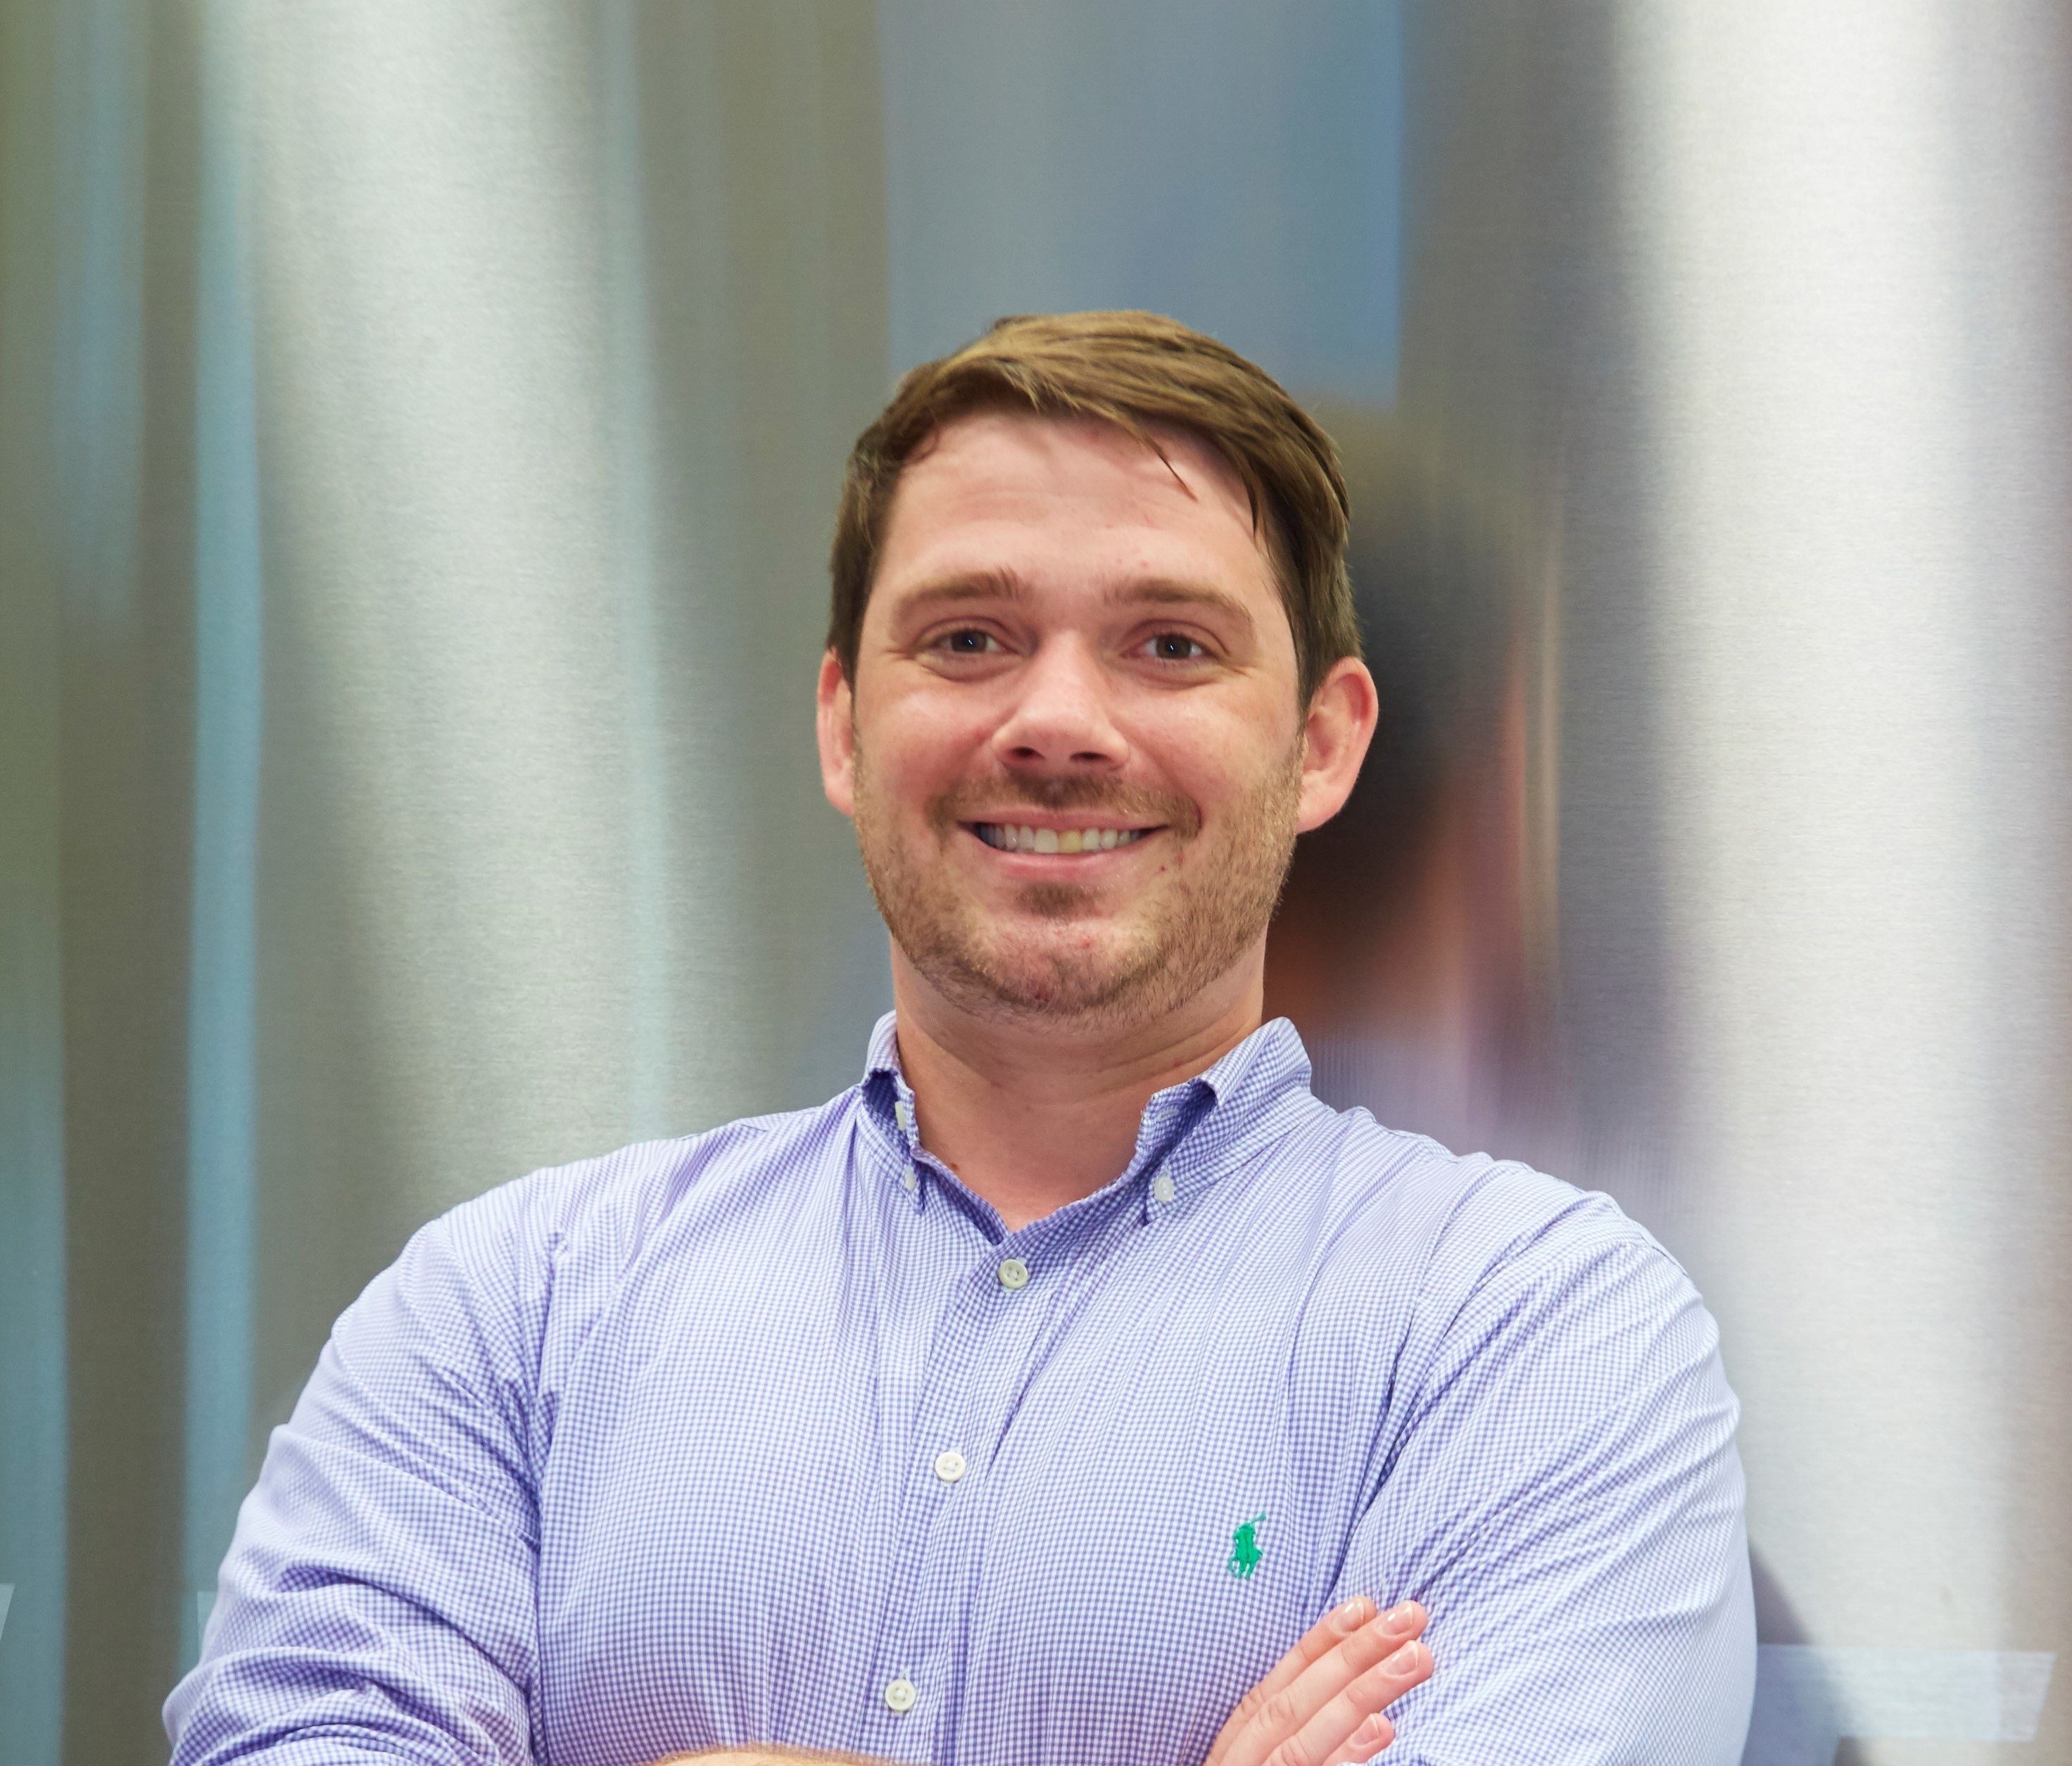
[(1351, 1616), (1371, 1731), (1399, 1617), (1405, 1659)]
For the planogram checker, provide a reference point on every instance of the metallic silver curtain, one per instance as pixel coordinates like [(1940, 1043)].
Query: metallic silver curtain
[(1762, 308), (421, 427)]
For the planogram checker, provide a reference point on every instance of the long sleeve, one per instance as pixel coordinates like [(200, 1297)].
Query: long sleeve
[(379, 1599), (1565, 1498)]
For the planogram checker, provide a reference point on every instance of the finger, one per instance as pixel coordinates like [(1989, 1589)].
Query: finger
[(1281, 1713), (1369, 1740), (1377, 1732), (1330, 1674), (1326, 1736), (1318, 1641), (1314, 1644)]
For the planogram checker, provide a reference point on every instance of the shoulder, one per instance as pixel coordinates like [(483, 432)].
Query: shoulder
[(1468, 1215), (552, 1246), (614, 1201), (1481, 1252), (1490, 1307)]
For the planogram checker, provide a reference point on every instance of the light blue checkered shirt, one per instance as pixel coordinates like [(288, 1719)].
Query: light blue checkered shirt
[(757, 1436)]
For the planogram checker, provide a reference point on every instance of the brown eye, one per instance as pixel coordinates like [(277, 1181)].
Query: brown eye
[(971, 642), (1176, 647)]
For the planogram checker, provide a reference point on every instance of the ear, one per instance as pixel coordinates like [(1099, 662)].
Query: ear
[(835, 720), (1342, 714)]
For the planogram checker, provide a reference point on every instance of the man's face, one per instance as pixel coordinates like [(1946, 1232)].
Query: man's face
[(1072, 746)]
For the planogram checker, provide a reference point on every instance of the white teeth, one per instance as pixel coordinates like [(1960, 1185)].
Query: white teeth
[(1009, 838)]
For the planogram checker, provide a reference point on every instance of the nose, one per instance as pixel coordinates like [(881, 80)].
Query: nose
[(1061, 717)]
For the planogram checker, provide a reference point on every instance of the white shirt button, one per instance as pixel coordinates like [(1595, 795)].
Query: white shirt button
[(950, 1465), (1162, 1188), (900, 1694), (906, 1178), (1013, 1274), (904, 1112)]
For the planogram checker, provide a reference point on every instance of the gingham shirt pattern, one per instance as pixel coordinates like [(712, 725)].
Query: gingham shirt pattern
[(646, 1453)]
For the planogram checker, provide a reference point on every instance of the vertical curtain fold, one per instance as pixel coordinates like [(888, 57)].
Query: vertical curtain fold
[(33, 1457), (421, 429)]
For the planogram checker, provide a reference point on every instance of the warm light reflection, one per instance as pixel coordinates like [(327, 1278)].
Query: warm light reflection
[(1411, 948)]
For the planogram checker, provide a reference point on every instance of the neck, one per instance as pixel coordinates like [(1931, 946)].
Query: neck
[(1032, 1114)]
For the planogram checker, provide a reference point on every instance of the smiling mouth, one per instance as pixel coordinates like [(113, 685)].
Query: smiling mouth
[(1008, 837)]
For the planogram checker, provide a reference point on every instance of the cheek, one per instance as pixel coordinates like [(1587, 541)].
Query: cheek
[(914, 745), (1219, 759)]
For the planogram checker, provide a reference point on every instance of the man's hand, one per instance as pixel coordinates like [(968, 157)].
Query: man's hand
[(1322, 1704)]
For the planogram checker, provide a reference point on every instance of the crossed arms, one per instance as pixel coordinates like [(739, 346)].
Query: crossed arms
[(1322, 1705), (1556, 1485)]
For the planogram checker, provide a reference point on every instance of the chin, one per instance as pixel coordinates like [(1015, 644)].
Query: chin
[(1061, 978)]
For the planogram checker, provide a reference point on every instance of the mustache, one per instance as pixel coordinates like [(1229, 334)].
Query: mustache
[(1070, 791)]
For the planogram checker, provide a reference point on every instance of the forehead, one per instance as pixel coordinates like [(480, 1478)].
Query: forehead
[(1072, 493)]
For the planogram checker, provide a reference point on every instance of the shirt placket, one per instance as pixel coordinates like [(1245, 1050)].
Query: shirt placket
[(990, 1326)]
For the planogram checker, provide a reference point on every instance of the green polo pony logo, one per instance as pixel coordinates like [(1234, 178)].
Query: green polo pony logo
[(1245, 1548)]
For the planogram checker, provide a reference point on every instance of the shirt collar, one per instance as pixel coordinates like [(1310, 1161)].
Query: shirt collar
[(1192, 1132)]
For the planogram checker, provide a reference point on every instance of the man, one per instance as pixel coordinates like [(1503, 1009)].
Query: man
[(1076, 1371)]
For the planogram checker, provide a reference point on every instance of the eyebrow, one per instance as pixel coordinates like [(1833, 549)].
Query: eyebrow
[(1160, 593), (967, 586), (1009, 586)]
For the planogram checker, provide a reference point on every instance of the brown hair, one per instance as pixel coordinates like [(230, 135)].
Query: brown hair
[(1135, 370)]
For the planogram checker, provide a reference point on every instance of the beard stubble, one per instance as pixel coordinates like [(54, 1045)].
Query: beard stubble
[(1030, 962)]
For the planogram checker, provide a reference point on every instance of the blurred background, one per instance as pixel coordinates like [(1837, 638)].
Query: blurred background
[(419, 433)]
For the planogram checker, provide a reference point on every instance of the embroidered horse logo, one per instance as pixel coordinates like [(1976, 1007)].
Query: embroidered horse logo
[(1245, 1548)]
